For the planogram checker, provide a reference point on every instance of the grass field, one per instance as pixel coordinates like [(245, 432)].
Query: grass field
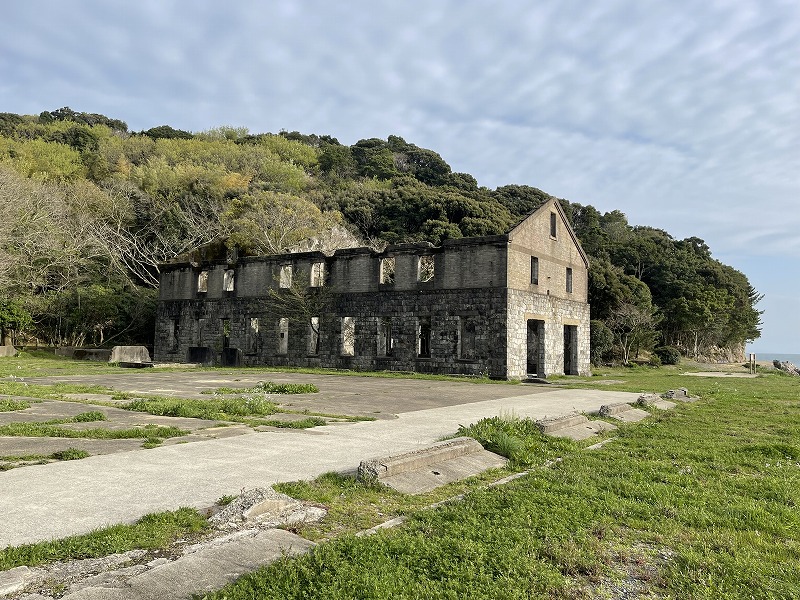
[(699, 502)]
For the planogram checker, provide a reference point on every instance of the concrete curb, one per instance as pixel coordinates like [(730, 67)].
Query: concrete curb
[(425, 469), (623, 412), (553, 424), (387, 466)]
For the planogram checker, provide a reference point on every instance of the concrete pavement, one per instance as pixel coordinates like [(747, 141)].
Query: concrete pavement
[(60, 499)]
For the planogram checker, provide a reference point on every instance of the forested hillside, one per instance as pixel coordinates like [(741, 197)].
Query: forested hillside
[(88, 210)]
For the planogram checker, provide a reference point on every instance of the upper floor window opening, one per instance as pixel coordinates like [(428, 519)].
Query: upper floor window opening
[(534, 270), (425, 269), (553, 225), (318, 274), (227, 280), (387, 270), (202, 282), (348, 336), (285, 279), (569, 280)]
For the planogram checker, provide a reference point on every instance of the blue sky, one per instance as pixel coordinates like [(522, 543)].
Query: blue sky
[(685, 115)]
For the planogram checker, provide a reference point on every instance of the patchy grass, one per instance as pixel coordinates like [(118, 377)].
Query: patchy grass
[(306, 423), (151, 532), (52, 429), (13, 461), (238, 409), (269, 387), (70, 454), (222, 409), (8, 404), (225, 500), (41, 363), (54, 391), (703, 500), (519, 440)]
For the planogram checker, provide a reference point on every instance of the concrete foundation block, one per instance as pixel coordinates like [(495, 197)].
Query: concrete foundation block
[(129, 354), (557, 423), (425, 469), (623, 412), (574, 427), (681, 394), (7, 351)]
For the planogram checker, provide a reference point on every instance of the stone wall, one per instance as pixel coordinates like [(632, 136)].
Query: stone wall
[(556, 313), (459, 308), (555, 254), (225, 328)]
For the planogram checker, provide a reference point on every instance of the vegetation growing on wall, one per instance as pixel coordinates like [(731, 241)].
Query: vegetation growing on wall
[(88, 211)]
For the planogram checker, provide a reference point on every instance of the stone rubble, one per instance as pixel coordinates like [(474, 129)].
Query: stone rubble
[(786, 367), (253, 511)]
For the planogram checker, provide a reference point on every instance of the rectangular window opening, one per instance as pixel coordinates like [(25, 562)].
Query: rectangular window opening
[(174, 335), (385, 341), (283, 336), (387, 270), (252, 336), (202, 282), (425, 269), (313, 336), (348, 336), (285, 279), (424, 337), (318, 274), (227, 280), (534, 270), (569, 280), (466, 338), (553, 229)]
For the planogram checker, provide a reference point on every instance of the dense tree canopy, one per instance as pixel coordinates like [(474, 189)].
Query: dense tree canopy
[(89, 210)]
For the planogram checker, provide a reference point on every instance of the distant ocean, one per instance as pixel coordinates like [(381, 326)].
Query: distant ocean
[(792, 358)]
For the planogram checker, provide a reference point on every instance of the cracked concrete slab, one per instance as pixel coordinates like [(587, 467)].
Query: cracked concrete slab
[(66, 498), (205, 570)]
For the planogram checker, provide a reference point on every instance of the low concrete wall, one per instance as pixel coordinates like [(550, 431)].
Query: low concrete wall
[(95, 354), (129, 354), (8, 351)]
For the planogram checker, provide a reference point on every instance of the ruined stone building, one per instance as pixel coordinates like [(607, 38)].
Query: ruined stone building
[(506, 306)]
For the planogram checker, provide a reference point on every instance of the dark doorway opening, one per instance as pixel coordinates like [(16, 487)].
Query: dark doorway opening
[(535, 348), (570, 350)]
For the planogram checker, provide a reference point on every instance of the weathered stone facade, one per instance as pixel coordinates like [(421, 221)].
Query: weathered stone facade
[(504, 306)]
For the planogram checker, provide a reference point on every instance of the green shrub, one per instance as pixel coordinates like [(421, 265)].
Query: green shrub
[(519, 440), (654, 360), (601, 339), (668, 355)]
